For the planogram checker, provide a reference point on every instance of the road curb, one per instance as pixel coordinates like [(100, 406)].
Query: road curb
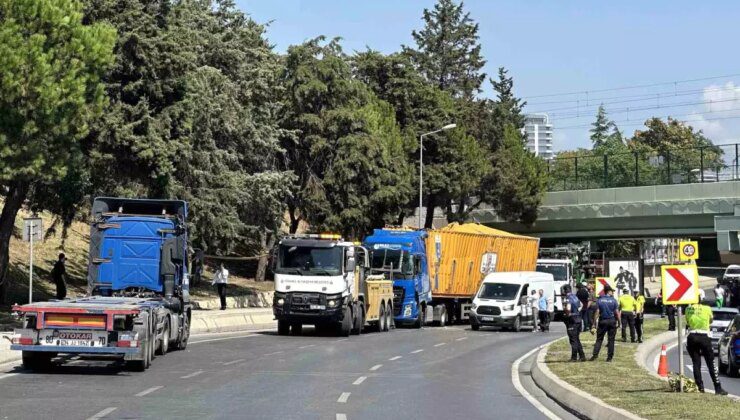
[(647, 352), (575, 400), (225, 321), (256, 300)]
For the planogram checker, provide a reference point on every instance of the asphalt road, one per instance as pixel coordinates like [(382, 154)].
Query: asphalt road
[(434, 373), (731, 385)]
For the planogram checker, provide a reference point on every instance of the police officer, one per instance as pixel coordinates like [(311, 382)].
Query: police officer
[(698, 344), (671, 312), (607, 319), (639, 313), (627, 308), (573, 325)]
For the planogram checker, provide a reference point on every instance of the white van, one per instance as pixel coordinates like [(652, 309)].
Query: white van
[(502, 300)]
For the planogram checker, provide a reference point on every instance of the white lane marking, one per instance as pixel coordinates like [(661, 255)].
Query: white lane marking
[(395, 358), (417, 351), (439, 344), (461, 338), (305, 347), (344, 397), (149, 391), (233, 362), (341, 416), (518, 385), (222, 339), (102, 413), (7, 375), (689, 367), (359, 380), (342, 339), (192, 375), (273, 353), (376, 367)]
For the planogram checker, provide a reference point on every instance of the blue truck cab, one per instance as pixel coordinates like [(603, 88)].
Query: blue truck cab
[(400, 255)]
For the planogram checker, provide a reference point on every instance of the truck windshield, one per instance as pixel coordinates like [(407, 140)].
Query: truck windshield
[(499, 291), (314, 261), (384, 259), (559, 271)]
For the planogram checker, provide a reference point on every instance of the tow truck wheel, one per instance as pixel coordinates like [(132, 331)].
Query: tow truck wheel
[(381, 318), (359, 319), (283, 327), (36, 361), (345, 327), (388, 318)]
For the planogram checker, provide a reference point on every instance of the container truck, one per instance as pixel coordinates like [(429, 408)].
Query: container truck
[(323, 280), (437, 272), (138, 302)]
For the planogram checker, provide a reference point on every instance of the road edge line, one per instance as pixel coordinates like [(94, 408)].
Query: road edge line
[(519, 387)]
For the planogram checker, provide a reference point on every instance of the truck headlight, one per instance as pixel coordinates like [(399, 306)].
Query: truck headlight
[(281, 302), (509, 307), (332, 303)]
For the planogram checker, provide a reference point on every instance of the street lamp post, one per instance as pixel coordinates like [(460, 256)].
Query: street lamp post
[(421, 165)]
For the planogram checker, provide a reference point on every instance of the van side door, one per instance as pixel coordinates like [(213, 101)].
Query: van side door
[(525, 308)]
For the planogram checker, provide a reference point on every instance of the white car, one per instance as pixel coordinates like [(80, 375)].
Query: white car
[(722, 318), (732, 273)]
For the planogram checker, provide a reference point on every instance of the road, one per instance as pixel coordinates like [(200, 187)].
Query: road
[(438, 373), (731, 385)]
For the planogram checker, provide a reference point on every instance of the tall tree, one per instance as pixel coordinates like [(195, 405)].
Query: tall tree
[(447, 51), (601, 128), (50, 90), (507, 109)]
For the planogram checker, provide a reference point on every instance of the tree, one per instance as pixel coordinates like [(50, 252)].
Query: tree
[(507, 109), (447, 50), (51, 64), (601, 128)]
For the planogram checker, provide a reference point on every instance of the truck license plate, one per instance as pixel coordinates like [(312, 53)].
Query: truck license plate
[(487, 318), (74, 338), (318, 307)]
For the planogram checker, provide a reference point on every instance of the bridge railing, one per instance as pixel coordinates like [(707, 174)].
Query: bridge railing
[(588, 170)]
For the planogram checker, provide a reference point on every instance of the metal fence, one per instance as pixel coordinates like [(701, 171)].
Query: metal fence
[(645, 167)]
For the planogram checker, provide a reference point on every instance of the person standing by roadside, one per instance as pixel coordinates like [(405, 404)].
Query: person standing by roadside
[(719, 296), (534, 305), (572, 312), (639, 313), (671, 313), (542, 311), (698, 344), (58, 275), (221, 279), (607, 319), (591, 305), (550, 310), (582, 295), (627, 308)]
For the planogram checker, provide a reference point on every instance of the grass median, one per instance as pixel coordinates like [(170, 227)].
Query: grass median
[(623, 383)]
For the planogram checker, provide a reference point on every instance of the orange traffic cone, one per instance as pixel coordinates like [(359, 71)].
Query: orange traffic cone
[(663, 364)]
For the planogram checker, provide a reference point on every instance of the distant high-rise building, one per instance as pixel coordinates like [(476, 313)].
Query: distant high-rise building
[(538, 135)]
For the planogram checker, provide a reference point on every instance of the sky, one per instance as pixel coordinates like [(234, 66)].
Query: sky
[(638, 58)]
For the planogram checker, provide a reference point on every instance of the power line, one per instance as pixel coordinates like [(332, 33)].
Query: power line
[(571, 115), (675, 83), (628, 123)]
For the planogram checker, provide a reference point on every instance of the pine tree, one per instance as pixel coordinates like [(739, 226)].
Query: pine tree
[(601, 128), (507, 109), (447, 51)]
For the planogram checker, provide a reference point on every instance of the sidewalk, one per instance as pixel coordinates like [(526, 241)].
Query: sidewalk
[(203, 321)]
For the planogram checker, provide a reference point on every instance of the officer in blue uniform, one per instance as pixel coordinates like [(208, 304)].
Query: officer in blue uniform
[(607, 318), (573, 325)]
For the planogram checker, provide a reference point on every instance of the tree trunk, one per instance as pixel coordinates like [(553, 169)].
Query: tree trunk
[(401, 217), (267, 241), (294, 220), (431, 205), (13, 201)]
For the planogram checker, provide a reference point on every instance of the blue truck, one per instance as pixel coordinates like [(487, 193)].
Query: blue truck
[(138, 302), (400, 255)]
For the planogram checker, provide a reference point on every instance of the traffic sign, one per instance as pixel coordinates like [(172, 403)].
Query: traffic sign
[(680, 284), (688, 250), (601, 282)]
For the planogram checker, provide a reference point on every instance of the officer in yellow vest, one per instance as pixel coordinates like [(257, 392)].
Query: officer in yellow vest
[(639, 313), (698, 344), (627, 306)]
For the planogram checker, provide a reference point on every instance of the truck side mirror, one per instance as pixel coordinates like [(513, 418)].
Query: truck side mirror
[(351, 264)]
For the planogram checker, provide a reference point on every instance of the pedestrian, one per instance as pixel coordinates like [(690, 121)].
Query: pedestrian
[(572, 311), (534, 305), (607, 319), (542, 311), (698, 344), (221, 279), (659, 303), (58, 275), (592, 297), (627, 308), (639, 313), (671, 313), (582, 295), (550, 310), (719, 296)]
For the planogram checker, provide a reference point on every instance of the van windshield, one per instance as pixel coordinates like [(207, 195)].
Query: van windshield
[(499, 291)]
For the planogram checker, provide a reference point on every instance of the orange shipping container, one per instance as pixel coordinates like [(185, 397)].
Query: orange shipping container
[(460, 256)]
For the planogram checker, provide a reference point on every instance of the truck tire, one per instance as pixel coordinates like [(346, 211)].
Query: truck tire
[(37, 361), (380, 327), (283, 327), (345, 327), (443, 317), (164, 345), (420, 317), (297, 329), (182, 339), (475, 327), (388, 318), (359, 320)]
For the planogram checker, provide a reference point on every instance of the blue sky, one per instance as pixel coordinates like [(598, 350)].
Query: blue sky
[(552, 47)]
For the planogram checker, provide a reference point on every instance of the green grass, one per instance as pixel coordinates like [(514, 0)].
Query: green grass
[(624, 384)]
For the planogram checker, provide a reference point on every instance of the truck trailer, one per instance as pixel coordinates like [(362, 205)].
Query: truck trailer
[(441, 269), (323, 280), (138, 302)]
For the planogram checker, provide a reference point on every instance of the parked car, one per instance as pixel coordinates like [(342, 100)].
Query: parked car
[(729, 349), (722, 318), (732, 273)]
